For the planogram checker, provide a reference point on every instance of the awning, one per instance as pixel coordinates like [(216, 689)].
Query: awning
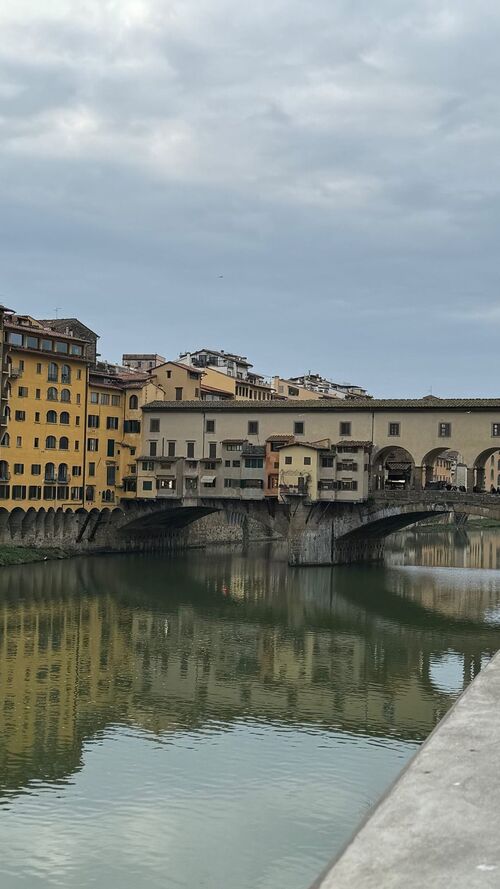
[(207, 479)]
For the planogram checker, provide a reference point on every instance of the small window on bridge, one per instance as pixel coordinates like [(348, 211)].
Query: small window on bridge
[(495, 429), (444, 430), (394, 428), (345, 429)]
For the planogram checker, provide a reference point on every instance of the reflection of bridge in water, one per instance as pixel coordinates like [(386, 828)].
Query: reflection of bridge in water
[(85, 648)]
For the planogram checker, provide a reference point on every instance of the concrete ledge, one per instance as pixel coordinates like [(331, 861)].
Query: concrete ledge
[(439, 824)]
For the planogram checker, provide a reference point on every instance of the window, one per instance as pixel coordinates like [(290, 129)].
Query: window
[(209, 465), (78, 398), (348, 485), (178, 393), (288, 461), (65, 373), (345, 429), (63, 443), (90, 493), (253, 427), (77, 493), (190, 449), (236, 464), (50, 442), (22, 392), (38, 393), (18, 468), (232, 483), (147, 465), (51, 417), (18, 492), (444, 430), (51, 394), (307, 461), (19, 441), (75, 350), (394, 428), (169, 374), (53, 372), (37, 417), (171, 448), (133, 402), (495, 431), (16, 339), (39, 368), (94, 398), (131, 426), (111, 475), (46, 345), (77, 445), (64, 418), (78, 374), (36, 469), (254, 462), (298, 428), (91, 469), (77, 470), (20, 415), (111, 447), (212, 449), (233, 446), (147, 486), (210, 426), (153, 446), (49, 492), (36, 442), (327, 462), (50, 472), (93, 421), (112, 423), (92, 444), (62, 473), (115, 400), (132, 452), (104, 398), (154, 425), (34, 492), (5, 440), (66, 395), (227, 463), (62, 348), (292, 391)]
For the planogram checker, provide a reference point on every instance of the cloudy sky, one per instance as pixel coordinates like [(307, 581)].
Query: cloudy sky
[(335, 161)]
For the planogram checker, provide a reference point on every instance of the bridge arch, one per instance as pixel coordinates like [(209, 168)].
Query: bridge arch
[(481, 479)]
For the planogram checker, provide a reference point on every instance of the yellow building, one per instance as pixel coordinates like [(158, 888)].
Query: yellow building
[(43, 441)]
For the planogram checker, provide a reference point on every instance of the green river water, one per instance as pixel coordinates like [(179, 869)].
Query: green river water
[(217, 719)]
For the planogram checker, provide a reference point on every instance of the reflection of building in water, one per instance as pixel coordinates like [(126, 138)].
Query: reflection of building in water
[(285, 646), (445, 548)]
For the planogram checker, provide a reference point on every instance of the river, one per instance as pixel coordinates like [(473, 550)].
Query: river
[(217, 719)]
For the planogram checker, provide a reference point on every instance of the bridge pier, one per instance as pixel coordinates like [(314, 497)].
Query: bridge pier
[(313, 540)]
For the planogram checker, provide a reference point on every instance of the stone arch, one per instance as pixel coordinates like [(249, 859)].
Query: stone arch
[(40, 523), (58, 522), (458, 470), (16, 522), (28, 526), (4, 522), (479, 480), (394, 467), (49, 523)]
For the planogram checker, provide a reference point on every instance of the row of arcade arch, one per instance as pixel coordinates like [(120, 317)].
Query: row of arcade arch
[(395, 468)]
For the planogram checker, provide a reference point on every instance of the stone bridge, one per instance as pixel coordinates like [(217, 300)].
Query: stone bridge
[(320, 533)]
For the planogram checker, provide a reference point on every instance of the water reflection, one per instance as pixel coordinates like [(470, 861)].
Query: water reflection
[(225, 652)]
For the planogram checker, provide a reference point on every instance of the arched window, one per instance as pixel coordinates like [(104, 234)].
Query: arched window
[(64, 418), (65, 373), (50, 442), (62, 473), (51, 417), (53, 372), (50, 472), (5, 440), (51, 393), (133, 402), (63, 443), (4, 471), (6, 412), (8, 390), (65, 395)]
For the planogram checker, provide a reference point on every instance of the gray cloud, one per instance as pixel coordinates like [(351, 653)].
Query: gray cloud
[(336, 162)]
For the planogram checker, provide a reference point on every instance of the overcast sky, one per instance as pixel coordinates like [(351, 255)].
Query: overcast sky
[(337, 162)]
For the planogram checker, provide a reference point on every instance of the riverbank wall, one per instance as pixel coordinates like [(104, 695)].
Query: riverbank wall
[(438, 825)]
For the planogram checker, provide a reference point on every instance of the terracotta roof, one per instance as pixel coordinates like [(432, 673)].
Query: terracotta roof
[(336, 405), (286, 437), (312, 445), (346, 443)]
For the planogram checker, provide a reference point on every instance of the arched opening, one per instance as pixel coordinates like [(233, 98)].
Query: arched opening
[(133, 402), (393, 468), (62, 474), (65, 373), (50, 442), (4, 471), (64, 418), (486, 471), (65, 395), (50, 472), (5, 442), (51, 417), (53, 374), (52, 393), (63, 443), (444, 468)]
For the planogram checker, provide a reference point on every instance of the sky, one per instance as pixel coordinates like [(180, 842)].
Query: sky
[(313, 183)]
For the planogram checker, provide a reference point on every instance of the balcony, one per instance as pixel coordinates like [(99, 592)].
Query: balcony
[(15, 373), (300, 490)]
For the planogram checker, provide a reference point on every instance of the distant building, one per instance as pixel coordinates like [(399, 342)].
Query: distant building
[(75, 328), (233, 365), (327, 388), (142, 361)]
